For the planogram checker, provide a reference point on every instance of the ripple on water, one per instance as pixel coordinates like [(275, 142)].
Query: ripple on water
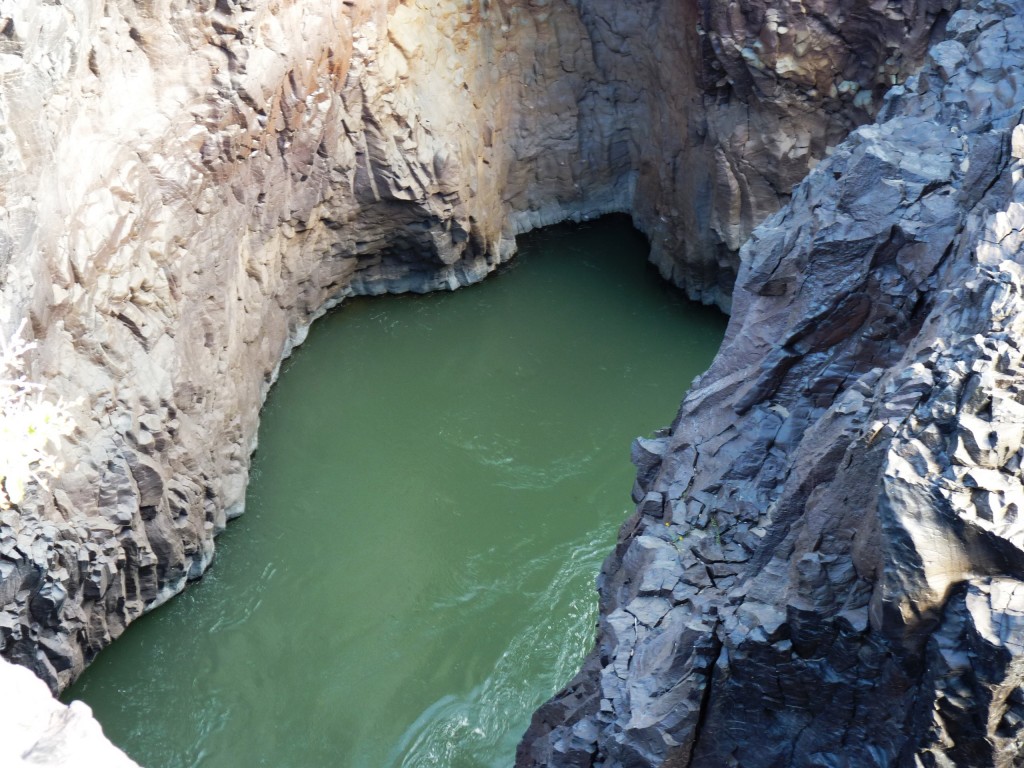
[(513, 460), (557, 632)]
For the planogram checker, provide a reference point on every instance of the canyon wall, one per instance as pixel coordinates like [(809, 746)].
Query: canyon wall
[(824, 568), (187, 185)]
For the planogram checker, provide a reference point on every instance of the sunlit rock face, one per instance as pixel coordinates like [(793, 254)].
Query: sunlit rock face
[(186, 185), (36, 729), (825, 565)]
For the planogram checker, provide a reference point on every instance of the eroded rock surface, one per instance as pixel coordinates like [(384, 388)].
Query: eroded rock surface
[(825, 566), (186, 185)]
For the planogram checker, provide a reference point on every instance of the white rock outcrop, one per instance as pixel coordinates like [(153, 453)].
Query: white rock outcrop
[(36, 729)]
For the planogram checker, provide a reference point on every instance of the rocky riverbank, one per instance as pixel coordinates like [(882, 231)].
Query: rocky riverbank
[(824, 566)]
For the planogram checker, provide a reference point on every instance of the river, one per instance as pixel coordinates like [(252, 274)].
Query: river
[(437, 482)]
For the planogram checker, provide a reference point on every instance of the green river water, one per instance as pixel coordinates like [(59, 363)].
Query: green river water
[(437, 482)]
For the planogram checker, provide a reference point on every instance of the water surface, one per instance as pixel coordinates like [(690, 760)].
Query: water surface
[(438, 480)]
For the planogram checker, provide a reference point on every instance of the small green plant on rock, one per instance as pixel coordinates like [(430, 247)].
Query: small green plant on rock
[(30, 425)]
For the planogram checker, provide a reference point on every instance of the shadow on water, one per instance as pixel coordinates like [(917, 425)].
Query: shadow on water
[(438, 480)]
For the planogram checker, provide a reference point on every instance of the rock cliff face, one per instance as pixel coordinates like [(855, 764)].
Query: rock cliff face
[(186, 185), (825, 564)]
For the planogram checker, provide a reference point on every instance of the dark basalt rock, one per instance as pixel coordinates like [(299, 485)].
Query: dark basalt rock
[(826, 564)]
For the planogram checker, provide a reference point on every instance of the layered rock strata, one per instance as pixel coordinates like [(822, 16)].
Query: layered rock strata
[(825, 566), (186, 185)]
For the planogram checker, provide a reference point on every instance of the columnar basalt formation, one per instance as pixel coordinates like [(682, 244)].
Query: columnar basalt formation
[(733, 103), (825, 564), (186, 185)]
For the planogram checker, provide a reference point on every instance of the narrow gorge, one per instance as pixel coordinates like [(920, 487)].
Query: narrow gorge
[(437, 481), (824, 563)]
